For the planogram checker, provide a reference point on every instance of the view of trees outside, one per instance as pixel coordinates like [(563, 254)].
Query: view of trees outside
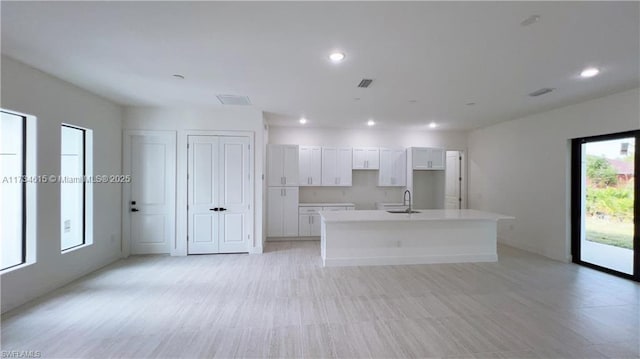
[(610, 192)]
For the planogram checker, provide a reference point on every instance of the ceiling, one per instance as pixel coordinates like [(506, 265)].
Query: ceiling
[(427, 59)]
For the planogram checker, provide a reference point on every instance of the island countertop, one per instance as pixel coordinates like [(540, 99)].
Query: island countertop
[(424, 215)]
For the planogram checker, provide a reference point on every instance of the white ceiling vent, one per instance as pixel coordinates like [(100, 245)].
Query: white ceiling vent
[(365, 83), (541, 92), (234, 100)]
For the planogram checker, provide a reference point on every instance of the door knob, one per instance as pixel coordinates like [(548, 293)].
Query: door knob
[(135, 210), (222, 209), (214, 209)]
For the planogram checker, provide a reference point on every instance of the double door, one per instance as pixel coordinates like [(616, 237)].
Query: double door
[(219, 195)]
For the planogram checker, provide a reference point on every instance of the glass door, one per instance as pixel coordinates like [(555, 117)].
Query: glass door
[(605, 203)]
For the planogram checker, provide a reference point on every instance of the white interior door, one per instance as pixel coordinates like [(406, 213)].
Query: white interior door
[(219, 203), (235, 195), (151, 222), (453, 181)]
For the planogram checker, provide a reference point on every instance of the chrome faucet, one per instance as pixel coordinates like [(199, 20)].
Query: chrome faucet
[(404, 200)]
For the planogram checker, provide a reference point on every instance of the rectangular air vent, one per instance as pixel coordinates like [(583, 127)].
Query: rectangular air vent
[(365, 83), (541, 92), (234, 100)]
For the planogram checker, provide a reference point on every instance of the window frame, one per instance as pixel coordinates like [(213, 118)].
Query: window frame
[(84, 188), (23, 174)]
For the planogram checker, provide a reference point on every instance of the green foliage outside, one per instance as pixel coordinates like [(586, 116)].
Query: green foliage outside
[(612, 203), (609, 206), (600, 172)]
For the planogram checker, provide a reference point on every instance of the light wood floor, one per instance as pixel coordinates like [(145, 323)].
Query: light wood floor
[(284, 304)]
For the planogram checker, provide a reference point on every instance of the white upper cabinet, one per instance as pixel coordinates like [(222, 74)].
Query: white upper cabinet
[(336, 166), (310, 165), (282, 162), (393, 168), (366, 158), (426, 158)]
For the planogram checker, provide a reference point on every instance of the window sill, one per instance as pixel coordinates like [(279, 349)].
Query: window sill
[(73, 249), (15, 268)]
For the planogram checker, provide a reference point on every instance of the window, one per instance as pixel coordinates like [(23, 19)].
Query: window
[(12, 190), (73, 187)]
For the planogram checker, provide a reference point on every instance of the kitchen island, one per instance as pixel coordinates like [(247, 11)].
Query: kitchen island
[(353, 238)]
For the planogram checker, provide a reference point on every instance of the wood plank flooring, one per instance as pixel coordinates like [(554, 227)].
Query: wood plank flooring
[(284, 304)]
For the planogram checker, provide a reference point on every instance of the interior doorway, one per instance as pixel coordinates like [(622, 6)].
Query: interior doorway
[(605, 203)]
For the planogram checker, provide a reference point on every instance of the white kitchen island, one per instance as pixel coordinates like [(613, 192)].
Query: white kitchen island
[(354, 238)]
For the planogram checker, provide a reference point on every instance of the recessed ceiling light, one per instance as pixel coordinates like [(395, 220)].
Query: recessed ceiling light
[(433, 125), (589, 72), (370, 123), (303, 120), (178, 76), (336, 56)]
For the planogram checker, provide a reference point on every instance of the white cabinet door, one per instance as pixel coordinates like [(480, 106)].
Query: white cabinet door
[(315, 225), (336, 166), (373, 158), (437, 158), (426, 158), (329, 166), (366, 158), (290, 212), (282, 161), (275, 211), (344, 164), (310, 165), (420, 158), (304, 225), (393, 168), (282, 212), (275, 163), (290, 168)]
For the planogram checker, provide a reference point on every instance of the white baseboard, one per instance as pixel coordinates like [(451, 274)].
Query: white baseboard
[(375, 261)]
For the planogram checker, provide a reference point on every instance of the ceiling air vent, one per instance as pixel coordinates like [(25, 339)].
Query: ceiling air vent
[(541, 92), (234, 100), (365, 83)]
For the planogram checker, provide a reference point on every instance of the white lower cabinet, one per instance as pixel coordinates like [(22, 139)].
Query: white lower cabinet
[(309, 218), (282, 212), (309, 221)]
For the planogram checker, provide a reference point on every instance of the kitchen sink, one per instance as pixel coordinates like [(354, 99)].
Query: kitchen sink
[(403, 212)]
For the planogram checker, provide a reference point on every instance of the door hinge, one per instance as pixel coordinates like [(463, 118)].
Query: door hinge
[(187, 145), (459, 178)]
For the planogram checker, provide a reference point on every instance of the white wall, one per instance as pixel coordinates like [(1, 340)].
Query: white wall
[(364, 191), (204, 119), (522, 168), (54, 102)]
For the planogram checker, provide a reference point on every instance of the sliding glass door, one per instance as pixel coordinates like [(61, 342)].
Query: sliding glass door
[(605, 204)]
